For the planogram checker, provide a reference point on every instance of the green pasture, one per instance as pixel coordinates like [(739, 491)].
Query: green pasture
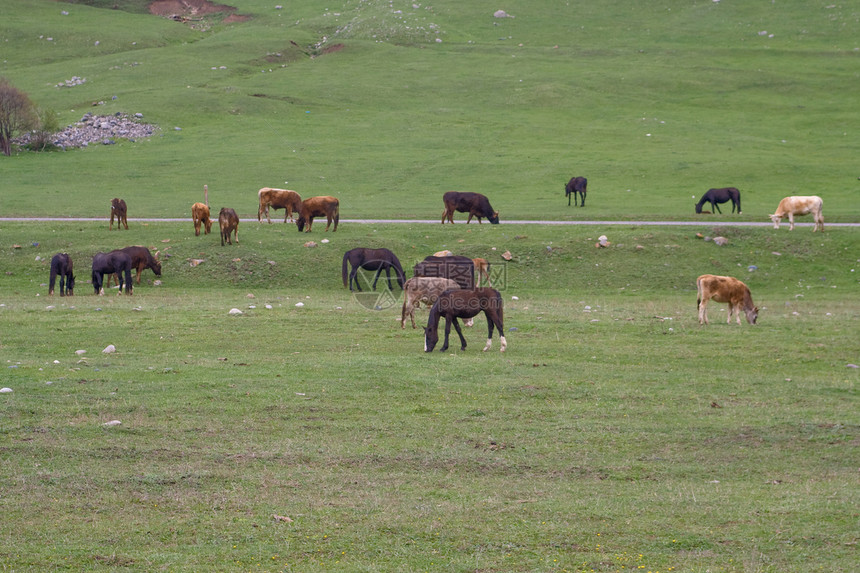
[(311, 432), (653, 102), (614, 434)]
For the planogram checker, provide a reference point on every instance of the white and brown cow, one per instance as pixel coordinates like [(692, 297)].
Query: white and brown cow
[(285, 199), (799, 205), (424, 289), (725, 289)]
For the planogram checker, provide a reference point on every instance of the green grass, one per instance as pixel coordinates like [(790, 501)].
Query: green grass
[(615, 434)]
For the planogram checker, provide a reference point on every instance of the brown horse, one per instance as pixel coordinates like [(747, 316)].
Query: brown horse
[(454, 304)]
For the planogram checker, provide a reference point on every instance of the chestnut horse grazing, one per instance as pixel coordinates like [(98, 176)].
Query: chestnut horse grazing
[(119, 210), (61, 264), (454, 304), (725, 289)]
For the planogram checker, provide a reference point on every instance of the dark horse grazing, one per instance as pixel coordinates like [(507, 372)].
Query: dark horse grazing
[(109, 263), (454, 304), (574, 186), (61, 264), (371, 260), (141, 259), (721, 195)]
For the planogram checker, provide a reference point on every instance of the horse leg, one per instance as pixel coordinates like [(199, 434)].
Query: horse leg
[(489, 332), (459, 333), (129, 286), (716, 207), (376, 279), (447, 334), (582, 197), (352, 278)]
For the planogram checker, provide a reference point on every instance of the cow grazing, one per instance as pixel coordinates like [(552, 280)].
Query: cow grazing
[(61, 265), (725, 289), (285, 199), (119, 210), (200, 215), (461, 269), (482, 269), (454, 304), (799, 205), (228, 220), (109, 263), (425, 290), (475, 204), (324, 206), (372, 260), (141, 259), (721, 195), (576, 185)]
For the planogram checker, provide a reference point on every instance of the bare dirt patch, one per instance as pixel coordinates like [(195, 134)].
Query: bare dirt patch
[(190, 10)]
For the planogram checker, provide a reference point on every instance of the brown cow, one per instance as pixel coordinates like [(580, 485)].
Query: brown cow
[(141, 259), (482, 269), (228, 220), (278, 199), (200, 214), (725, 289), (799, 205), (119, 210), (318, 207), (475, 204)]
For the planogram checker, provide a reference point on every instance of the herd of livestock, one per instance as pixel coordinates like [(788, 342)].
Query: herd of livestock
[(443, 282)]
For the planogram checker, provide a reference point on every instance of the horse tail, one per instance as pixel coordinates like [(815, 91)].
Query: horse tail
[(343, 267)]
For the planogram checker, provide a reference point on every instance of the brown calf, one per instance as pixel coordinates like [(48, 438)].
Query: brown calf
[(200, 215), (119, 210), (725, 289), (278, 199), (326, 206), (426, 290), (228, 220)]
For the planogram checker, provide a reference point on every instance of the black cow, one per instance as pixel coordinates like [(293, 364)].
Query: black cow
[(460, 269), (475, 204)]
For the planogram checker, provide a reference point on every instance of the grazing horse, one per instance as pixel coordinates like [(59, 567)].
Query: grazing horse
[(574, 186), (721, 195), (119, 210), (108, 263), (61, 264), (141, 259), (454, 304), (371, 260)]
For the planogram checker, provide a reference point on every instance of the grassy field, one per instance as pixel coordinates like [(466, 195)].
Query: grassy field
[(311, 433)]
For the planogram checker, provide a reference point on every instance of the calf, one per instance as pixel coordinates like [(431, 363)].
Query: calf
[(119, 210), (200, 215), (475, 204), (278, 199), (426, 290), (228, 220), (482, 269), (799, 205), (725, 289), (325, 206)]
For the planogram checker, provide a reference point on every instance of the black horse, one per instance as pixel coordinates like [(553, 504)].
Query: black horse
[(108, 263), (454, 304), (574, 186), (371, 260), (721, 195), (61, 264)]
